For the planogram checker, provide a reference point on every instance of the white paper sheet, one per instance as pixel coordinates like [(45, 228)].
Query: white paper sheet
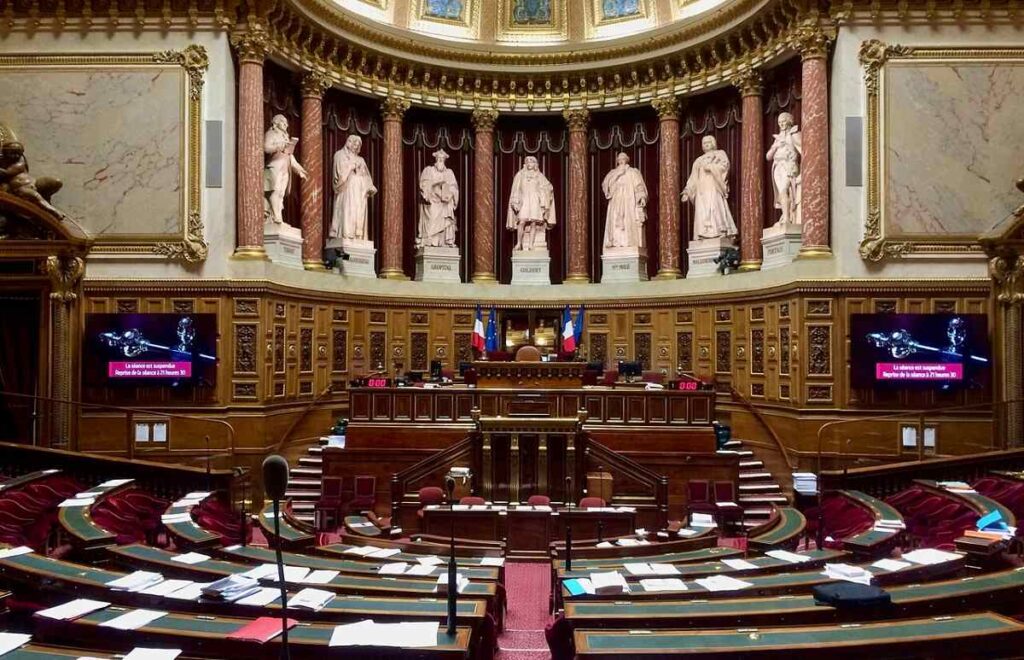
[(73, 609), (294, 573), (136, 581), (421, 570), (265, 596), (609, 582), (77, 502), (638, 568), (360, 633), (928, 556), (664, 569), (359, 550), (14, 552), (383, 553), (492, 561), (407, 634), (847, 573), (260, 572), (786, 555), (142, 653), (431, 560), (166, 587), (190, 591), (663, 584), (11, 641), (114, 483), (890, 564), (396, 568), (133, 620), (322, 576), (739, 564), (175, 518), (311, 599), (722, 583), (191, 558)]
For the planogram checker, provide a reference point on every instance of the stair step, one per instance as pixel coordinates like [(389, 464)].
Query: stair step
[(307, 472), (757, 511), (303, 482), (768, 486), (764, 498), (756, 474), (744, 452), (303, 506), (315, 449), (732, 444), (311, 461), (743, 464), (302, 495)]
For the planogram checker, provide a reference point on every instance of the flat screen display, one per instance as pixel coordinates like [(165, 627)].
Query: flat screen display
[(938, 351), (150, 349)]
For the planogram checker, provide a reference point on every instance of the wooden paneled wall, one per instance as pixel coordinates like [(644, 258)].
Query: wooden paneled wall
[(785, 349)]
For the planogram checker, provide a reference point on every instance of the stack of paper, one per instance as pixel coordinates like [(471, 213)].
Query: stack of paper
[(397, 568), (701, 520), (11, 641), (461, 583), (191, 558), (192, 499), (133, 620), (191, 591), (638, 568), (739, 564), (722, 583), (231, 588), (890, 565), (805, 482), (686, 531), (611, 582), (787, 556), (14, 552), (664, 569), (605, 544), (928, 556), (663, 584), (848, 573), (261, 597), (73, 609), (176, 518), (166, 587), (140, 653), (492, 561), (579, 586), (891, 523), (311, 599), (261, 571), (420, 634), (320, 576), (136, 581)]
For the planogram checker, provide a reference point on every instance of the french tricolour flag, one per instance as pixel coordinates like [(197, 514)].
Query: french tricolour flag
[(478, 331), (568, 333)]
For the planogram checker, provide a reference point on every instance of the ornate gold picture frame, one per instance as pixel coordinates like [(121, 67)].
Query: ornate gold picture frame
[(187, 243), (881, 239)]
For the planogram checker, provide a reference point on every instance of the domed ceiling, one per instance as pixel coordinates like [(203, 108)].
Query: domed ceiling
[(558, 31)]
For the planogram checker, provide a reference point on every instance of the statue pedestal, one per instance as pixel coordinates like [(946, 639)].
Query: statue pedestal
[(437, 264), (702, 254), (283, 244), (780, 243), (360, 262), (623, 265), (531, 267)]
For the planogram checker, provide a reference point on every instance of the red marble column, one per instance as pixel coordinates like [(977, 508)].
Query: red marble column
[(814, 172), (752, 182), (483, 196), (392, 241), (668, 189), (251, 47), (311, 190), (577, 222)]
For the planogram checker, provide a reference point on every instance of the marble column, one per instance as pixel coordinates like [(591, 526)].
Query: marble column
[(812, 43), (311, 149), (668, 188), (577, 229), (752, 169), (483, 196), (392, 242), (251, 48)]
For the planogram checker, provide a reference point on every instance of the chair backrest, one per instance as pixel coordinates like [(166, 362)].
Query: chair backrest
[(538, 500), (653, 377), (725, 491), (331, 487), (431, 495), (472, 499), (698, 490), (366, 485), (469, 377), (591, 503), (611, 376), (528, 354)]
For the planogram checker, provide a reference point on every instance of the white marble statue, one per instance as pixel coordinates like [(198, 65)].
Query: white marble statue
[(439, 195), (785, 154), (708, 190), (626, 192), (353, 187), (531, 207), (277, 174)]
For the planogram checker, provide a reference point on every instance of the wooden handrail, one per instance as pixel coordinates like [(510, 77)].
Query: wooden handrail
[(657, 483), (283, 442), (752, 409)]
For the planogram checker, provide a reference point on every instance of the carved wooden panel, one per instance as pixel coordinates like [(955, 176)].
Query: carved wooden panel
[(245, 348), (418, 353), (378, 317), (642, 318), (463, 319), (279, 349), (246, 307), (784, 391), (723, 315), (885, 306), (244, 391), (819, 393), (642, 346), (339, 350), (378, 350), (819, 308), (419, 318), (597, 319), (129, 306), (463, 347), (183, 306), (339, 314), (784, 310), (819, 350), (784, 350), (279, 310), (684, 350), (306, 349), (599, 347), (685, 316), (757, 350), (723, 351), (757, 390), (945, 306), (305, 387), (757, 313)]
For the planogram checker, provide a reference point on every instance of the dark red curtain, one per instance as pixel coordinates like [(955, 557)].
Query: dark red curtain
[(345, 114), (546, 138), (19, 364), (634, 132), (716, 113), (781, 94), (424, 132), (281, 96)]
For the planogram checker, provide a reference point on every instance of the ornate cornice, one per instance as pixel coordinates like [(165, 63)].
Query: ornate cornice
[(484, 119), (393, 108), (194, 60), (749, 81), (667, 107), (577, 119)]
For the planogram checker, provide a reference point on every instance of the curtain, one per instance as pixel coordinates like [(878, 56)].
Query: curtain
[(281, 97), (19, 364), (781, 94)]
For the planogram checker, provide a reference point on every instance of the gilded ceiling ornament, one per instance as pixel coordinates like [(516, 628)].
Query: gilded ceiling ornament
[(577, 119)]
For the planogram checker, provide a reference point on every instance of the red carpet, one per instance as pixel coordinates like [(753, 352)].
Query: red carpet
[(528, 586)]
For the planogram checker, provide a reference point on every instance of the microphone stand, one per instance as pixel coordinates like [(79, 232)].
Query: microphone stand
[(568, 547), (453, 582), (280, 577)]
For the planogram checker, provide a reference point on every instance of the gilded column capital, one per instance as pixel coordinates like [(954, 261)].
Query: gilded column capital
[(749, 81), (393, 108), (484, 119), (315, 83), (577, 119), (65, 273), (667, 107), (1007, 271), (812, 40), (252, 45)]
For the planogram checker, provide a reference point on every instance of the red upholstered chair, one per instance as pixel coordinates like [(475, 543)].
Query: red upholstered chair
[(610, 377), (327, 512), (429, 496), (469, 377), (653, 377), (592, 503), (364, 493), (472, 500), (539, 500), (698, 496), (383, 523)]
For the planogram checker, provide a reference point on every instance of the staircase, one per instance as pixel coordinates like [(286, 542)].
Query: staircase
[(304, 483), (758, 489)]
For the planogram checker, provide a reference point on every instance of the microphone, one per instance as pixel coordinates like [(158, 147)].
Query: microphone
[(275, 482), (449, 487), (568, 492)]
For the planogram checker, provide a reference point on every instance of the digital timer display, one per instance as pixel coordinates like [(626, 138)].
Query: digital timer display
[(378, 382), (688, 385)]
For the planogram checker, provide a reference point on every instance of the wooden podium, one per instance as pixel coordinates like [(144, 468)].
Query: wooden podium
[(532, 375)]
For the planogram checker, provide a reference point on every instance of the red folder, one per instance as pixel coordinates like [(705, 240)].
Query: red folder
[(261, 630)]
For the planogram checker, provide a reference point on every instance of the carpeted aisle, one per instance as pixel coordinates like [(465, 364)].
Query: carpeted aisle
[(528, 586)]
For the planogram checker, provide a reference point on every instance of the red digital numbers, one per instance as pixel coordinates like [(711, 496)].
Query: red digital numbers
[(688, 385), (376, 382)]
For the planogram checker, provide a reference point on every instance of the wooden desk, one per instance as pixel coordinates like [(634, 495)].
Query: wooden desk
[(478, 523), (585, 523), (529, 375)]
